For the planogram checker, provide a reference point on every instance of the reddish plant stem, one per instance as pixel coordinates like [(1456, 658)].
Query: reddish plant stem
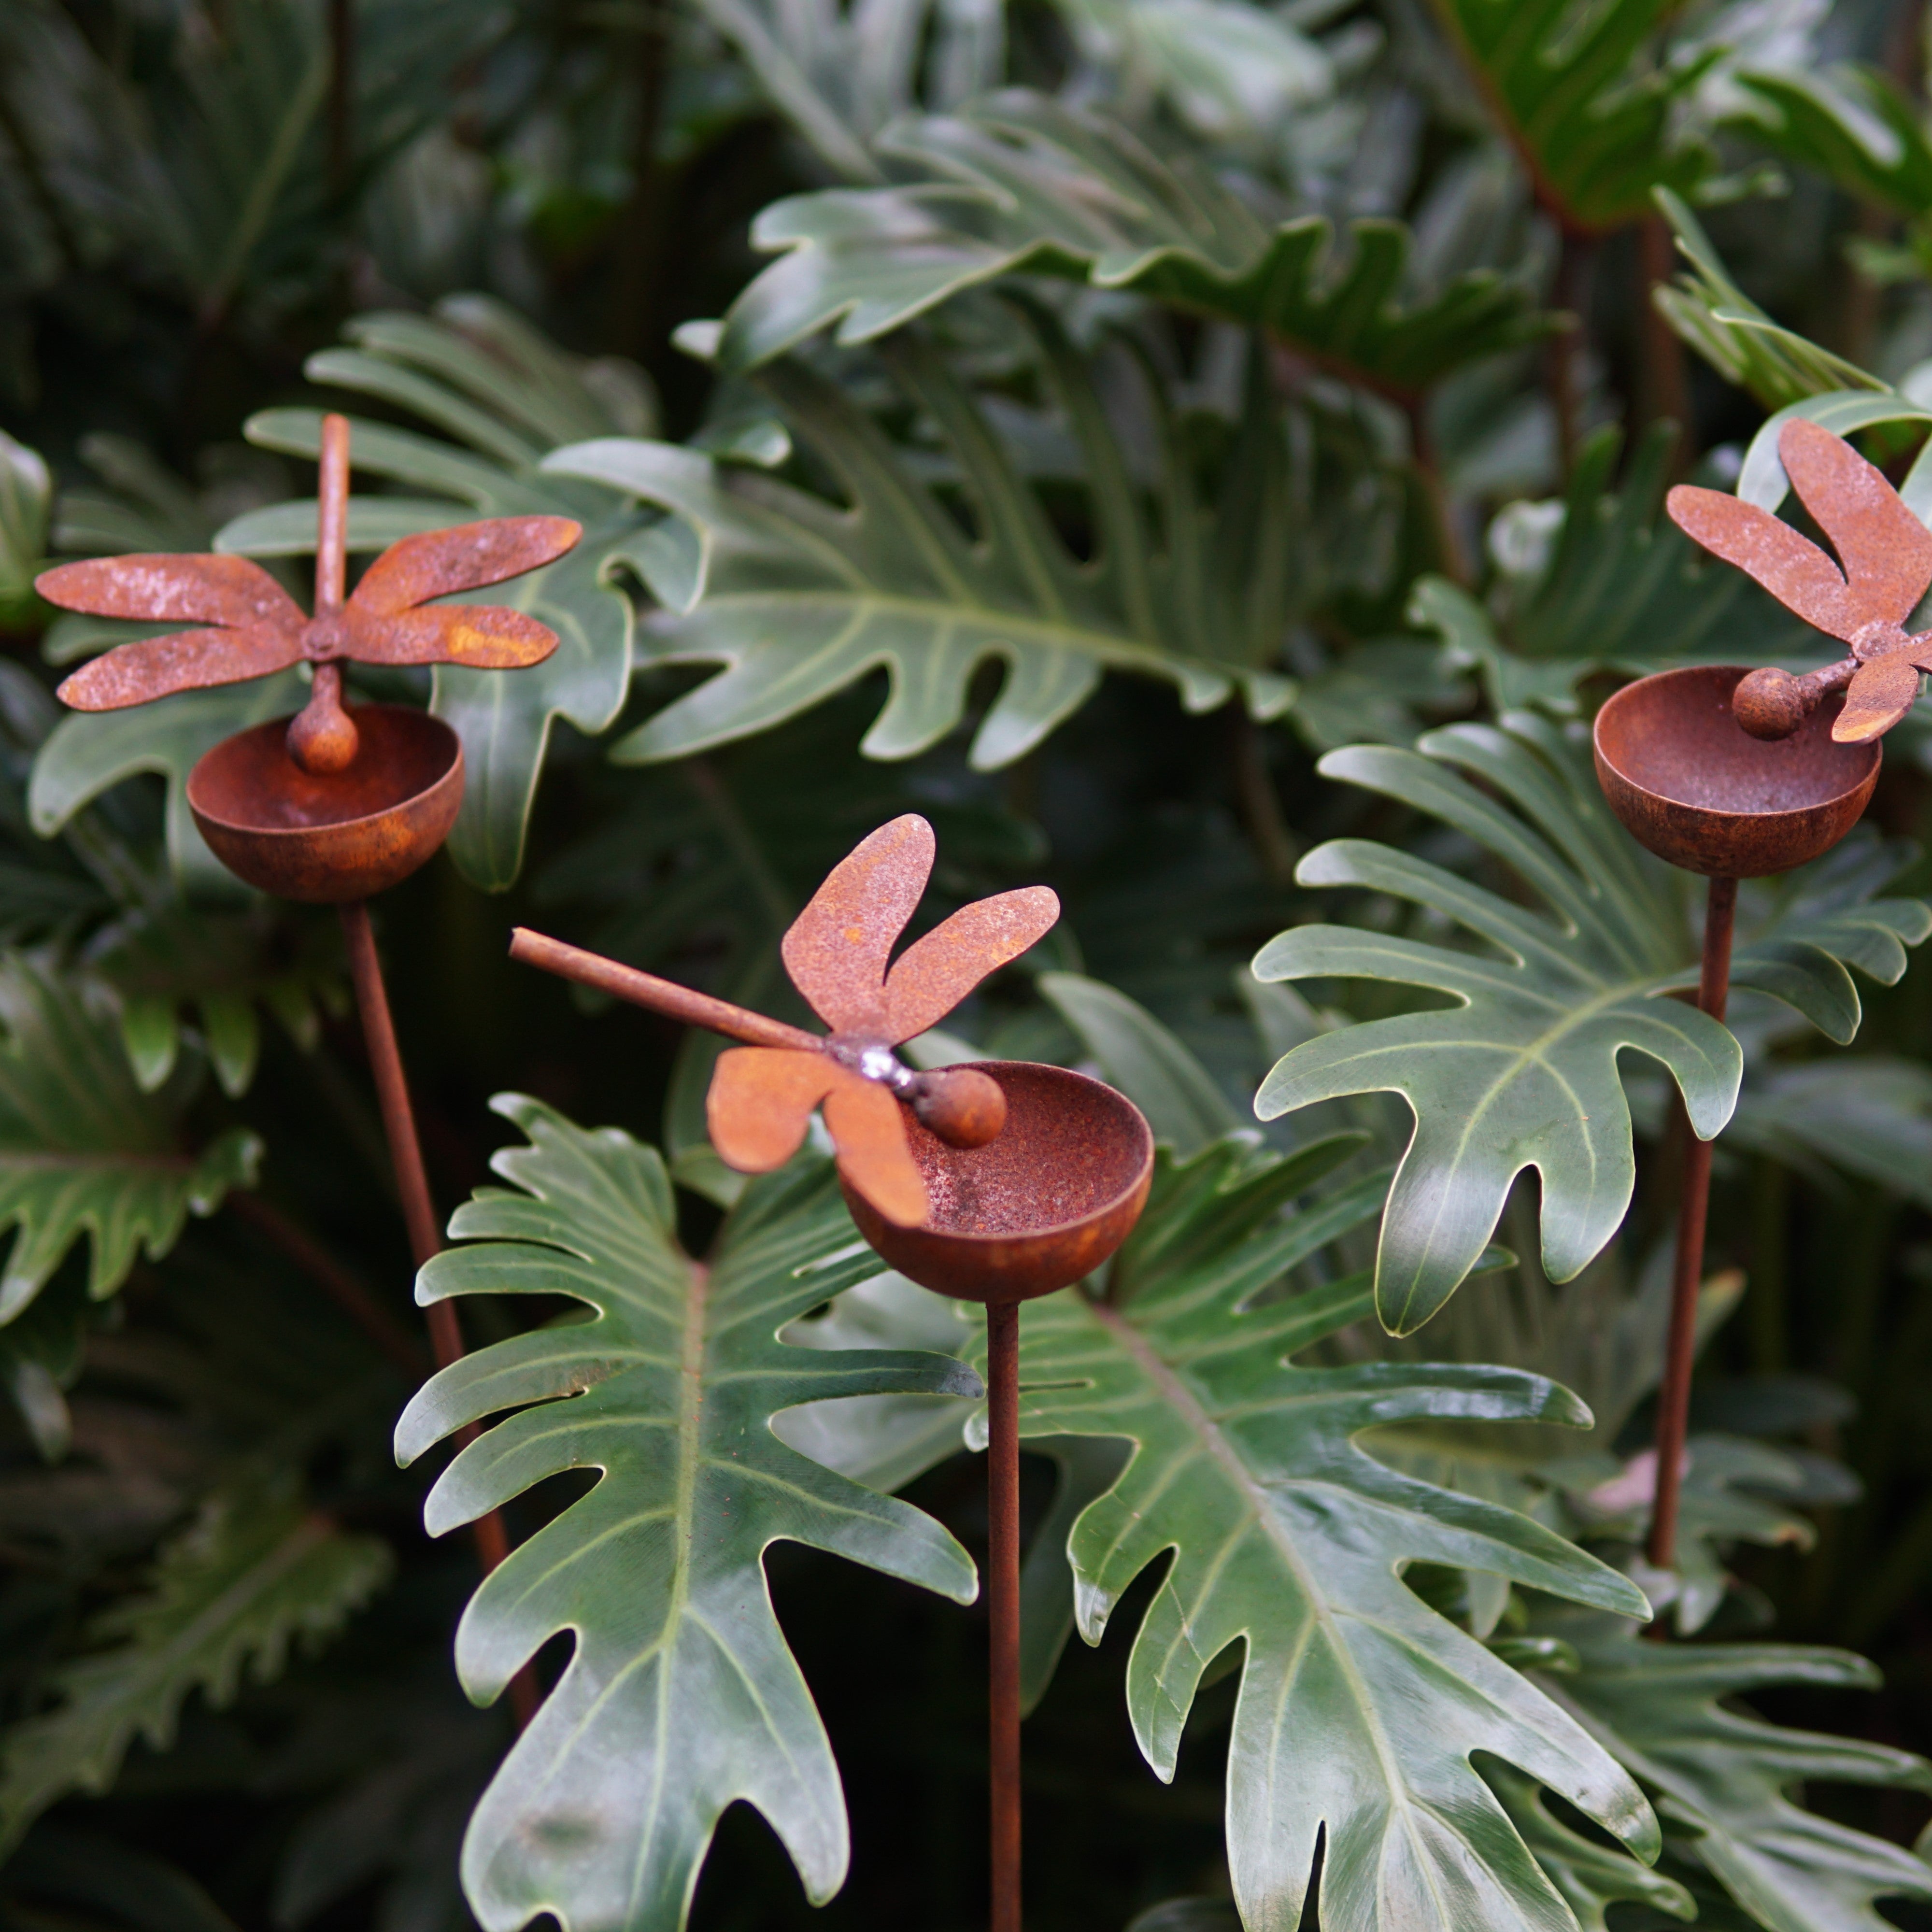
[(1673, 1400), (335, 1281), (399, 1125), (1002, 1577), (1667, 390)]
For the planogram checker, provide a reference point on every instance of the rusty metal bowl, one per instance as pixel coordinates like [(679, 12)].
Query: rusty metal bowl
[(327, 838), (1694, 787), (1045, 1204)]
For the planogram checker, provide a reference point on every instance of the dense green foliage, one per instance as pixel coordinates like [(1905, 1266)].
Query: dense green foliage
[(1205, 455)]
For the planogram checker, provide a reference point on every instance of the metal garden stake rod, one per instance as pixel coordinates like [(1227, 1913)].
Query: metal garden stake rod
[(1736, 774), (333, 805), (992, 1183)]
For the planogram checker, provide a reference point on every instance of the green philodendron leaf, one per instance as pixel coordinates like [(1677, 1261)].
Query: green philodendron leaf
[(1865, 1115), (1723, 1775), (1523, 1070), (1715, 317), (1360, 1708), (1598, 123), (83, 1150), (1849, 123), (1591, 1876), (681, 1696), (1138, 1055), (799, 597), (1623, 590), (255, 1572), (168, 961), (1021, 183), (87, 751)]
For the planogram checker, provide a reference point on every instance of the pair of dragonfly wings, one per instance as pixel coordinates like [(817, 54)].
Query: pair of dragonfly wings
[(244, 625), (1885, 550), (837, 954)]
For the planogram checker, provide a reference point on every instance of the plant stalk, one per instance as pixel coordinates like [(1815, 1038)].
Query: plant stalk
[(1673, 1401), (399, 1125), (1003, 1576)]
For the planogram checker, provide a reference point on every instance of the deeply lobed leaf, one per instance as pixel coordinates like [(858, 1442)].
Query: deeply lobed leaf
[(799, 597), (83, 1150), (1359, 1706), (681, 1696), (1523, 1069), (1020, 183)]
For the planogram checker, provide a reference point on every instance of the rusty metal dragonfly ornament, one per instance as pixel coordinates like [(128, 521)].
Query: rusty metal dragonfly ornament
[(331, 805), (993, 1183), (246, 625), (1886, 554), (763, 1093)]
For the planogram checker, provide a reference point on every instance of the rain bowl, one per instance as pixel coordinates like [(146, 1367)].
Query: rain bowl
[(328, 838), (1044, 1205), (1691, 784)]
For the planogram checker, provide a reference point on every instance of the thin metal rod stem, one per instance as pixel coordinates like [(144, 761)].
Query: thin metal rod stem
[(660, 996), (1673, 1400), (399, 1124), (331, 515), (1002, 1577)]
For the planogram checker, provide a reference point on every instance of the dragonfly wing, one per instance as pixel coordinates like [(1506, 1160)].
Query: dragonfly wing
[(868, 1131), (486, 636), (761, 1102), (837, 948), (930, 978), (1791, 567), (464, 557), (164, 590), (1887, 552), (1881, 692), (150, 667)]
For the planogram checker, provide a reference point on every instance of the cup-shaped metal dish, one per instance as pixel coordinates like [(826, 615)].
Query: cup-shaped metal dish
[(1689, 783), (1045, 1204), (325, 838)]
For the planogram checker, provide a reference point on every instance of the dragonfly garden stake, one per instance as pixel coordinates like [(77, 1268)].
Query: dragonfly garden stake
[(993, 1183), (338, 802), (1733, 773)]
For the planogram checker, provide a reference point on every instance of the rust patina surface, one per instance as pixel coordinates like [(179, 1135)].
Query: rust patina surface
[(1862, 598), (992, 1182)]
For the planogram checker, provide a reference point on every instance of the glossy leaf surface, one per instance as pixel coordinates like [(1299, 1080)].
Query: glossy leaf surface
[(83, 1151), (1359, 1706), (681, 1696), (1019, 184), (798, 596), (1723, 1777), (1524, 1070)]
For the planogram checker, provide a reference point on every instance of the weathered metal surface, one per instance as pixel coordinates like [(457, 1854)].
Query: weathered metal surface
[(327, 838), (1689, 783), (1044, 1205), (838, 953), (837, 948), (1673, 1395), (1886, 554), (251, 628), (1003, 1606)]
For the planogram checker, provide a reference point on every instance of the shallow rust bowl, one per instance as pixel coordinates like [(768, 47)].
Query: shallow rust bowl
[(1045, 1204), (1692, 785), (325, 838)]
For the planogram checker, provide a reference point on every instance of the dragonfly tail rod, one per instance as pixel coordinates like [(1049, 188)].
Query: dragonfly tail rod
[(660, 996)]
